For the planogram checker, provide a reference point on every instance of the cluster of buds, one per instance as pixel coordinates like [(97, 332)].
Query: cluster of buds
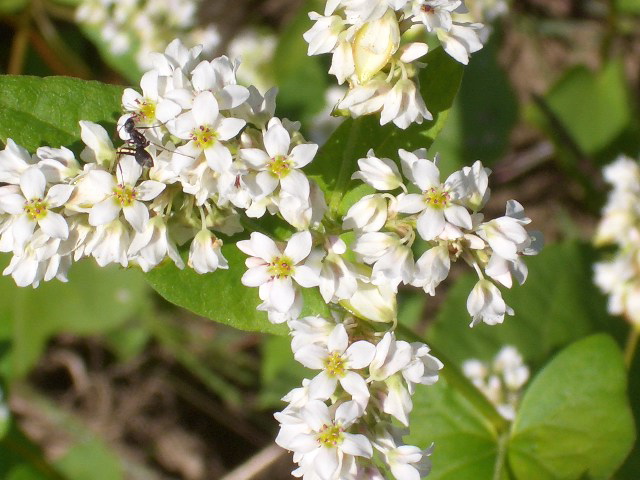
[(375, 52), (146, 25), (501, 381), (202, 155), (619, 276)]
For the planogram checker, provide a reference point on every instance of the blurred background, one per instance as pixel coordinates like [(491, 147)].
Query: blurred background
[(106, 380)]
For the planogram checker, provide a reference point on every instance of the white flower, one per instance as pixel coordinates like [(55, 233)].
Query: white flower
[(99, 145), (57, 164), (205, 253), (373, 302), (324, 35), (381, 173), (337, 360), (403, 105), (32, 207), (149, 247), (391, 356), (326, 444), (485, 304), (506, 235), (109, 244), (439, 203), (368, 214), (124, 195), (273, 268), (432, 268), (434, 14), (206, 129), (279, 164), (460, 41), (338, 276), (392, 260), (14, 160), (310, 330), (219, 77), (374, 45), (150, 107)]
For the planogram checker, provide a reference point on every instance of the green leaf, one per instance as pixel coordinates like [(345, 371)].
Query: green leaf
[(574, 420), (301, 79), (45, 111), (12, 6), (482, 116), (593, 108), (466, 445), (337, 159), (90, 459), (221, 296), (557, 305), (95, 300), (20, 459), (628, 6)]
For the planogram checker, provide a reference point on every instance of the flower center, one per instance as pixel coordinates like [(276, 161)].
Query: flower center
[(146, 111), (36, 208), (281, 267), (280, 166), (204, 136), (124, 195), (427, 9), (330, 435), (334, 364), (437, 197)]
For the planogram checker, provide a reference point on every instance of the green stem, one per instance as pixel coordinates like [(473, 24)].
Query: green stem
[(631, 346), (345, 167), (456, 379), (498, 468)]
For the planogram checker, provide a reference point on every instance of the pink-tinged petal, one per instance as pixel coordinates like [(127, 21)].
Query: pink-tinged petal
[(104, 211), (256, 276), (277, 140), (426, 174), (430, 223), (54, 225), (149, 189), (22, 230), (459, 216), (357, 387), (59, 194), (12, 203), (357, 445), (302, 155), (327, 463), (33, 183), (338, 341), (322, 386), (128, 171), (267, 182), (282, 294), (218, 157), (411, 203), (298, 247), (137, 215), (296, 183), (360, 354), (205, 109), (306, 276), (229, 128), (311, 356), (255, 157)]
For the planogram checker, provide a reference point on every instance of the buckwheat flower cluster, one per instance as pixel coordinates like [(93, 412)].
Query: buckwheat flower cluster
[(501, 381), (619, 276), (341, 424), (146, 25), (446, 216), (376, 48), (214, 149)]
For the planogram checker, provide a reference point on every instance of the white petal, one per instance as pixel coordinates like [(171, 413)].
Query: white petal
[(430, 223), (137, 215), (54, 225), (149, 189), (58, 194), (360, 354), (32, 183), (277, 140), (104, 211)]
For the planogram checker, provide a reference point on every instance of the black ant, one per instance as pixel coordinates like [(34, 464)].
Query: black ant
[(138, 144)]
